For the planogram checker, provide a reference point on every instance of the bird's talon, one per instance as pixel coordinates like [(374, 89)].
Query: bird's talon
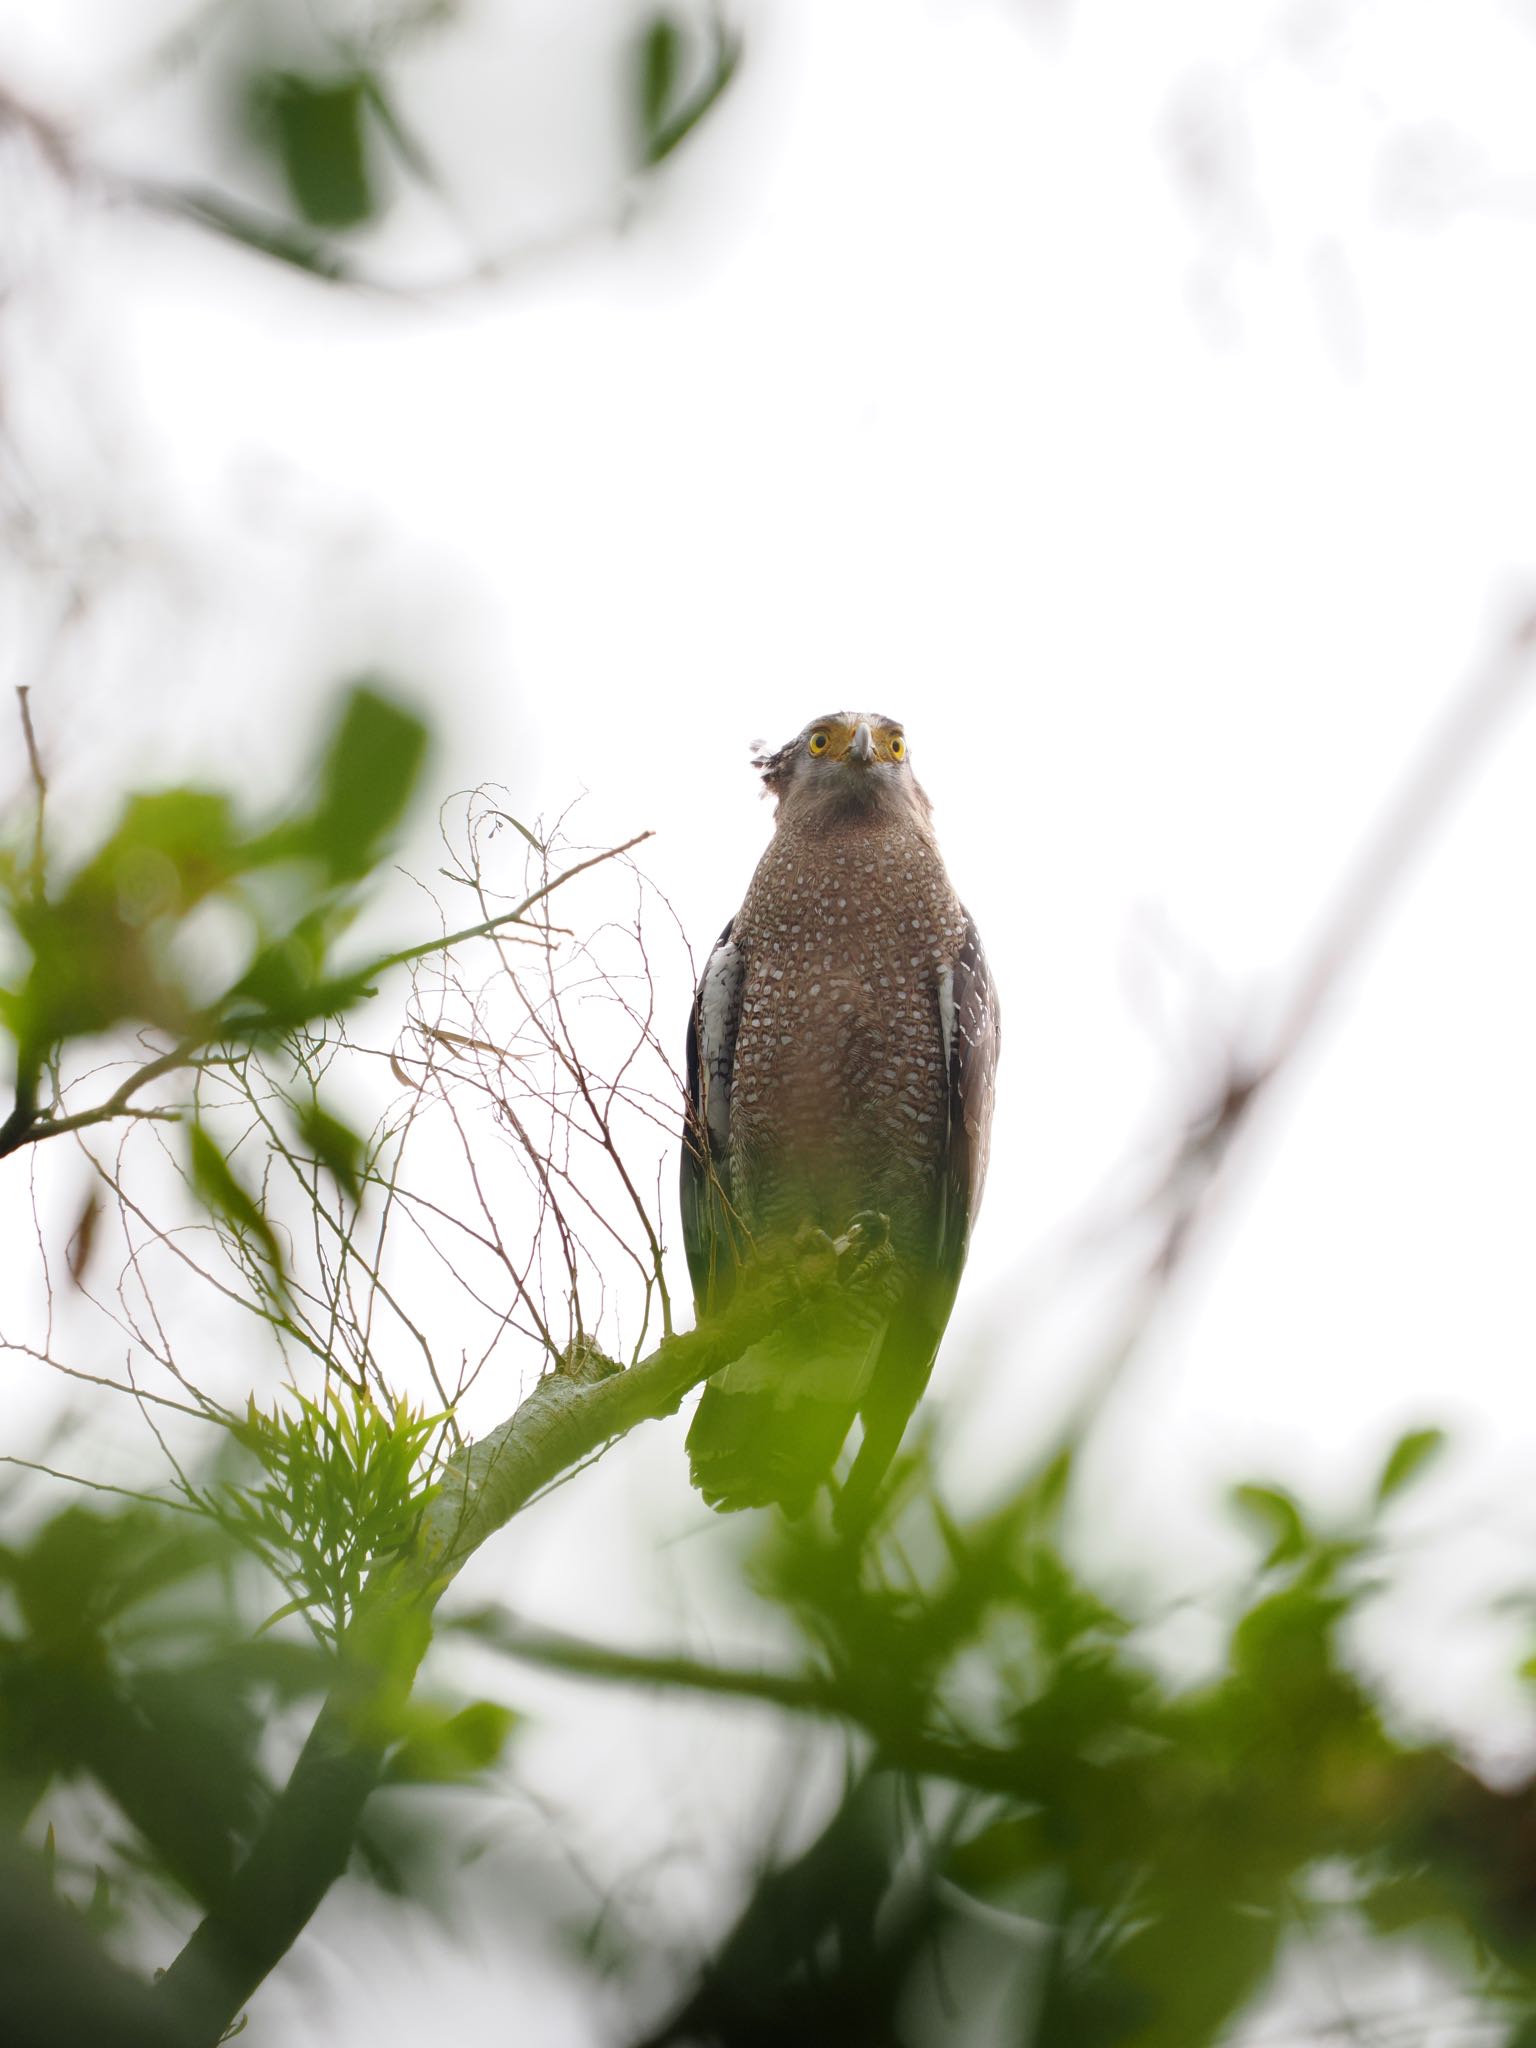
[(869, 1228), (864, 1236)]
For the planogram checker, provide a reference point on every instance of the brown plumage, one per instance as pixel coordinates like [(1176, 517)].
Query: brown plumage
[(841, 1055)]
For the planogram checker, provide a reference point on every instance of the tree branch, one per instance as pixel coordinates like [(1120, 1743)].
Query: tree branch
[(25, 1127), (572, 1412), (806, 1692)]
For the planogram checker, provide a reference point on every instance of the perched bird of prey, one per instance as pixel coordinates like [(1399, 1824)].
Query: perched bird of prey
[(841, 1053)]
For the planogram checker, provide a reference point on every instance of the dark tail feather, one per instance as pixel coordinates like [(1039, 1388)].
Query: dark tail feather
[(770, 1426), (896, 1386)]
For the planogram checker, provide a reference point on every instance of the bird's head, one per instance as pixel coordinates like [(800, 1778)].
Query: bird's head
[(847, 762)]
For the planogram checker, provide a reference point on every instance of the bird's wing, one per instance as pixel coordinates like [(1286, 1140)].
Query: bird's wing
[(971, 1024), (770, 1424), (706, 1160)]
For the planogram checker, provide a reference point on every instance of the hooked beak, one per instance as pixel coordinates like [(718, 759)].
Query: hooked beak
[(861, 747)]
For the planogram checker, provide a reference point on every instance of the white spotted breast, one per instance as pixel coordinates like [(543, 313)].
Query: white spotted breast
[(839, 1086)]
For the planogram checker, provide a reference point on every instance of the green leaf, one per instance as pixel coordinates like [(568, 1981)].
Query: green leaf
[(170, 849), (1286, 1641), (1408, 1457), (90, 969), (1276, 1514), (1016, 1846), (664, 119), (366, 780), (279, 983), (287, 983), (217, 1183), (280, 991), (316, 128), (82, 1568), (1064, 1610), (1408, 1898), (661, 48), (98, 948), (447, 1751)]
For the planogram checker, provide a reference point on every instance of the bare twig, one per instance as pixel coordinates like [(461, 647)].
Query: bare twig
[(507, 917), (40, 784), (154, 1500)]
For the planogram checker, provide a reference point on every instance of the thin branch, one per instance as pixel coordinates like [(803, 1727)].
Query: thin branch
[(117, 1104), (267, 234), (82, 1120), (800, 1692), (982, 1766), (40, 783), (154, 1500), (96, 1379), (494, 924)]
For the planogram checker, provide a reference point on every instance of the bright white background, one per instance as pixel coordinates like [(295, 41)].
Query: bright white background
[(1136, 402)]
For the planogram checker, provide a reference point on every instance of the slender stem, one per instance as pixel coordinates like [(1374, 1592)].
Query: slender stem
[(494, 924), (40, 782)]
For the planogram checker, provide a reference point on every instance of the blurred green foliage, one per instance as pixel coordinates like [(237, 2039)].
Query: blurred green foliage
[(334, 138), (451, 1746), (137, 1700), (126, 1663), (116, 941), (1054, 1842), (679, 77), (103, 942), (317, 131)]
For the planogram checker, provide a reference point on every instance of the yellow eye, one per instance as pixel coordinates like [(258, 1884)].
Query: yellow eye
[(898, 746), (819, 743)]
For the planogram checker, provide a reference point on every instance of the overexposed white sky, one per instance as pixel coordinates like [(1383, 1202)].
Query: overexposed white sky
[(1135, 401)]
